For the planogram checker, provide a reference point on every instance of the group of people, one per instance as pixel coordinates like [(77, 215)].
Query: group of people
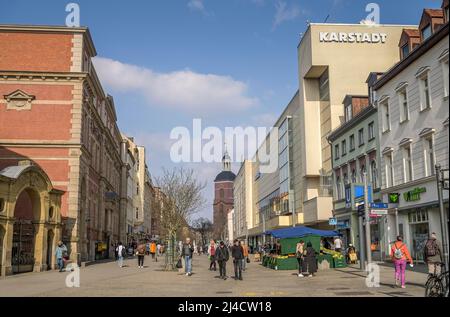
[(219, 253), (307, 259), (140, 250)]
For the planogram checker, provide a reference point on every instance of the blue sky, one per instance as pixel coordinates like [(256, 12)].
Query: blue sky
[(229, 62)]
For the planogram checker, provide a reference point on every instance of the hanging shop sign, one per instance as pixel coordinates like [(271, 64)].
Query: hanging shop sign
[(394, 198), (344, 37), (414, 195)]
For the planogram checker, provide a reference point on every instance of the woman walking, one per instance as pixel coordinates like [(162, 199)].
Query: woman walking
[(299, 253), (400, 255), (212, 255), (309, 260)]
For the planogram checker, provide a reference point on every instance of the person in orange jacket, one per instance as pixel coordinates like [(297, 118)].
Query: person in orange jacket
[(153, 250), (400, 255), (244, 260)]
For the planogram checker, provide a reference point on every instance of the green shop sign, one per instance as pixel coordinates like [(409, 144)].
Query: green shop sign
[(414, 195), (394, 198)]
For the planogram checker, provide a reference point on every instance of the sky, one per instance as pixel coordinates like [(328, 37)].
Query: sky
[(228, 62)]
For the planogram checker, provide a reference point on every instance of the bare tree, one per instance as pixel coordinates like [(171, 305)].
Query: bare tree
[(181, 198), (204, 227)]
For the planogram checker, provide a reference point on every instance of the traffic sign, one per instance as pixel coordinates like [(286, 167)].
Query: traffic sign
[(361, 210), (332, 222), (379, 206), (379, 212)]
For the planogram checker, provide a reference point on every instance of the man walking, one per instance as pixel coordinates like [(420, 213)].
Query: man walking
[(187, 252), (433, 255), (222, 256), (120, 252), (237, 253), (60, 252), (338, 244), (141, 254)]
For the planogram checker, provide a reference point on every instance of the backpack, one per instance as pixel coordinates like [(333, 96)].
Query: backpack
[(431, 248), (398, 253)]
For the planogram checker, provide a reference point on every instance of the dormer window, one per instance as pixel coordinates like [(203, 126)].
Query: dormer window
[(405, 50), (426, 32)]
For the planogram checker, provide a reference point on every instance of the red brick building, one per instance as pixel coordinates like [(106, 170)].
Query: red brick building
[(54, 112), (223, 197)]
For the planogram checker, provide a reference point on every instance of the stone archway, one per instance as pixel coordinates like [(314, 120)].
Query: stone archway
[(2, 241), (28, 195)]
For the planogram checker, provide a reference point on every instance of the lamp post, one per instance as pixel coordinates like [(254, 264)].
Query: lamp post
[(367, 213), (443, 217)]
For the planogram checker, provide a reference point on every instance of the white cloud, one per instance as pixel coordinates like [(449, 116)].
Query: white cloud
[(198, 5), (265, 119), (182, 90), (284, 13)]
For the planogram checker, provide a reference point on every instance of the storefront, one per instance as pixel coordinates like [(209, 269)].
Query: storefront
[(414, 215)]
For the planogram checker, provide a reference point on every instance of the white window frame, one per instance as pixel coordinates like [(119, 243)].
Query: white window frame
[(445, 72), (403, 98), (429, 169), (423, 75), (408, 171), (385, 109), (389, 169)]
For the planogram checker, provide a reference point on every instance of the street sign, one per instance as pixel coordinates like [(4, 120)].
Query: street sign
[(379, 212), (379, 206), (332, 221)]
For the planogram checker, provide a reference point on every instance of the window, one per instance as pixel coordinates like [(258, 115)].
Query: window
[(429, 156), (324, 88), (389, 170), (338, 188), (445, 75), (137, 213), (425, 98), (371, 130), (336, 152), (345, 179), (348, 112), (361, 137), (344, 147), (407, 164), (405, 50), (353, 176), (362, 172), (426, 32), (222, 194), (352, 142), (386, 121), (373, 174), (403, 102)]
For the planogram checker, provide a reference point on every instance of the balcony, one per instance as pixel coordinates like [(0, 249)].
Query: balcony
[(318, 209)]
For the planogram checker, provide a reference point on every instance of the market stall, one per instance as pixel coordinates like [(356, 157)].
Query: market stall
[(289, 238)]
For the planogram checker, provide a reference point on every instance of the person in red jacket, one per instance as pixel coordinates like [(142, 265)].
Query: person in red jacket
[(400, 255)]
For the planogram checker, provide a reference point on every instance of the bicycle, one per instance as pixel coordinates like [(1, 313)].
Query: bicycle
[(437, 284)]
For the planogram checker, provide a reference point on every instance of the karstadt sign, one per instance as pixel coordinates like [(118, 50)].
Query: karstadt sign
[(344, 37)]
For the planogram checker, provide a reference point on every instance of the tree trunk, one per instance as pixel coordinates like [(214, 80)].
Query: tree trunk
[(171, 257)]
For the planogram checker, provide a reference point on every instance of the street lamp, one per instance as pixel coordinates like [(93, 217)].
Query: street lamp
[(443, 217)]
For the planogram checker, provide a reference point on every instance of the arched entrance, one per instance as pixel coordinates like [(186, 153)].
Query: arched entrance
[(26, 213), (28, 231), (50, 251)]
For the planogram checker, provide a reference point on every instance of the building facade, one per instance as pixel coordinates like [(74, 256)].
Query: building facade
[(54, 112), (413, 114), (223, 198), (243, 200)]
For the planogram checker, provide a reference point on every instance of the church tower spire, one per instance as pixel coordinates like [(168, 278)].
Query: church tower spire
[(226, 160)]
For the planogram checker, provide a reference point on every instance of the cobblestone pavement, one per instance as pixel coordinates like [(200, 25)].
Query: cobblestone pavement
[(107, 279)]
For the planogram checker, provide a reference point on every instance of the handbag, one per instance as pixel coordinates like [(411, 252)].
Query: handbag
[(179, 264), (248, 260)]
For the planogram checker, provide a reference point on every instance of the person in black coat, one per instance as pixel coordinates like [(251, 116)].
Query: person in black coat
[(237, 252), (309, 260), (222, 256)]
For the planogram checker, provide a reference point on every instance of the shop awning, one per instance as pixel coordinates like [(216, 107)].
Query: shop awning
[(298, 232)]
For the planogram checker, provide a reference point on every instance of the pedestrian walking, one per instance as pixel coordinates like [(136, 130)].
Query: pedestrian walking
[(212, 255), (400, 255), (187, 252), (158, 249), (222, 256), (60, 253), (121, 253), (153, 250), (238, 255), (140, 252), (309, 261), (299, 252), (432, 255), (147, 248), (338, 244), (245, 260)]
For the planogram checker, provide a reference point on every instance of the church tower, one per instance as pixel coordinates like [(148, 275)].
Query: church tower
[(223, 196)]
